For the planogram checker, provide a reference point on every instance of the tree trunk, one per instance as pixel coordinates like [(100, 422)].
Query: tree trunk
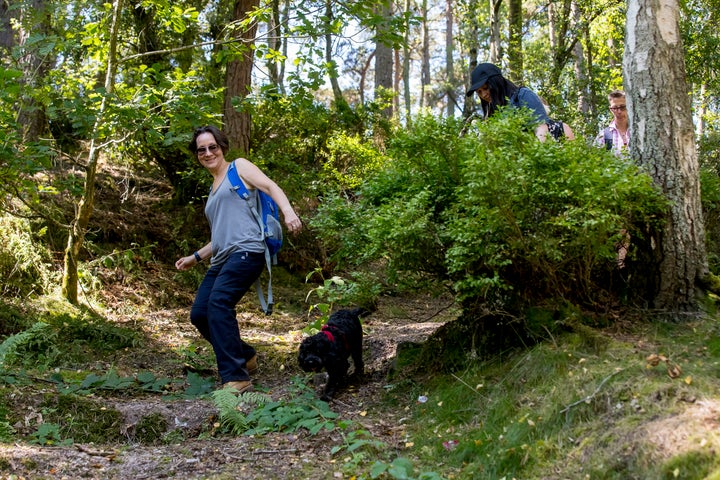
[(7, 36), (274, 43), (663, 143), (329, 60), (425, 56), (238, 80), (495, 40), (584, 100), (449, 22), (384, 61), (515, 55), (76, 236), (406, 67), (34, 20)]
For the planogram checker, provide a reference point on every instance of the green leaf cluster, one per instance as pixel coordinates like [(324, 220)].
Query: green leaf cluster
[(496, 213)]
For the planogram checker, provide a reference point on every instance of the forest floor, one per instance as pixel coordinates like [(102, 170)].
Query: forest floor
[(200, 453)]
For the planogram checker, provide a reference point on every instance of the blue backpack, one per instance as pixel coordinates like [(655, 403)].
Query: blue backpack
[(267, 214)]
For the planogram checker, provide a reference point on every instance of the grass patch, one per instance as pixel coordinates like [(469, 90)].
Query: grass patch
[(568, 409), (83, 420)]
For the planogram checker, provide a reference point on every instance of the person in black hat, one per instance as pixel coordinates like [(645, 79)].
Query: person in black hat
[(495, 90)]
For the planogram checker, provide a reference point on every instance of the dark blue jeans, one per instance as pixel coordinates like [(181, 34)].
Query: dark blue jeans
[(213, 311)]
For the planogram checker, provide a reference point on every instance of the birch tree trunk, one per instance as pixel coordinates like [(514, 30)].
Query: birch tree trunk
[(76, 236), (663, 143), (495, 40)]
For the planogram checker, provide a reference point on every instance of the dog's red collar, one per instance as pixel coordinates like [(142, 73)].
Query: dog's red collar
[(328, 333)]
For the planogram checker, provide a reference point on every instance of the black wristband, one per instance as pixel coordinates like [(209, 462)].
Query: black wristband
[(197, 257)]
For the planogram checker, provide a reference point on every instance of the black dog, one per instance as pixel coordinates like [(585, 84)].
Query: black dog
[(341, 337)]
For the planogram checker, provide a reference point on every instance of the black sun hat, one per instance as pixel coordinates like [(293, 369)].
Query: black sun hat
[(481, 74)]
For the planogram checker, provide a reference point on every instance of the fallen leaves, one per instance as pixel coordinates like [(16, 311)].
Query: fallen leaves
[(673, 369)]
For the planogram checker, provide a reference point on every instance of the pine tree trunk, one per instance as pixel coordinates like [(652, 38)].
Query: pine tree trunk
[(237, 81)]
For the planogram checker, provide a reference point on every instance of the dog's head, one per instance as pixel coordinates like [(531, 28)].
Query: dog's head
[(313, 351)]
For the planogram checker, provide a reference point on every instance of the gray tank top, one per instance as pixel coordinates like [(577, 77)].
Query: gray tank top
[(233, 227)]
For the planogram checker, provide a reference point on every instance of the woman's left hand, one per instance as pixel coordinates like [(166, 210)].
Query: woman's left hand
[(293, 223)]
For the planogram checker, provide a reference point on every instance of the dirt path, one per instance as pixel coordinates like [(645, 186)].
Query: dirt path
[(295, 455)]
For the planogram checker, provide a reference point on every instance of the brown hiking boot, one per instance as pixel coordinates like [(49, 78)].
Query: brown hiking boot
[(252, 365), (241, 386)]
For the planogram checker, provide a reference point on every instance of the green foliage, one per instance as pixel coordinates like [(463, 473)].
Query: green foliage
[(351, 160), (48, 434), (303, 410), (337, 290), (151, 428), (7, 432), (24, 260), (709, 159), (503, 216), (71, 418), (394, 219), (193, 386), (402, 469), (13, 346), (541, 220)]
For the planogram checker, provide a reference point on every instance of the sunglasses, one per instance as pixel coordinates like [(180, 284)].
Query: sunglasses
[(618, 108), (208, 149)]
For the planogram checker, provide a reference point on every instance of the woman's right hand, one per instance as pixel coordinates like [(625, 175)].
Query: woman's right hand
[(186, 263)]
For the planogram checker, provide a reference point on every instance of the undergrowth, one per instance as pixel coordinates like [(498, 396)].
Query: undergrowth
[(564, 410)]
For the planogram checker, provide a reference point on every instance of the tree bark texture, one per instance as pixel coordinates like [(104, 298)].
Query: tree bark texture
[(663, 142), (515, 53), (425, 57), (384, 59), (450, 65), (238, 79), (495, 37)]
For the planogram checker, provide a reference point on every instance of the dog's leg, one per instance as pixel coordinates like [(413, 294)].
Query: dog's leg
[(337, 373), (358, 361)]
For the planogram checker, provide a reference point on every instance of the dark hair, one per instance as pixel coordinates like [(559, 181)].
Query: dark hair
[(501, 89), (220, 138), (616, 94)]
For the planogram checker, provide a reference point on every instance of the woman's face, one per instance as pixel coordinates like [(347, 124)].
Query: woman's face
[(484, 93), (209, 153)]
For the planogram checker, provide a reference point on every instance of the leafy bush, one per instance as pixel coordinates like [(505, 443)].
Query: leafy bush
[(542, 220), (499, 214), (710, 191)]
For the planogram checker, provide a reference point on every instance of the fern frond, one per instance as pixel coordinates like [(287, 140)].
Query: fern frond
[(231, 418), (11, 344), (254, 398)]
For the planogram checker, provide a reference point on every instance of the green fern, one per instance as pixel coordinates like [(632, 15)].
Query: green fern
[(9, 347), (229, 406)]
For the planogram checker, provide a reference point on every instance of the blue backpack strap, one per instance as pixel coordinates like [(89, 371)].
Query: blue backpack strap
[(241, 190)]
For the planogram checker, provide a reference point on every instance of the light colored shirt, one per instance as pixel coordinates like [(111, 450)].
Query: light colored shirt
[(233, 227), (619, 144)]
